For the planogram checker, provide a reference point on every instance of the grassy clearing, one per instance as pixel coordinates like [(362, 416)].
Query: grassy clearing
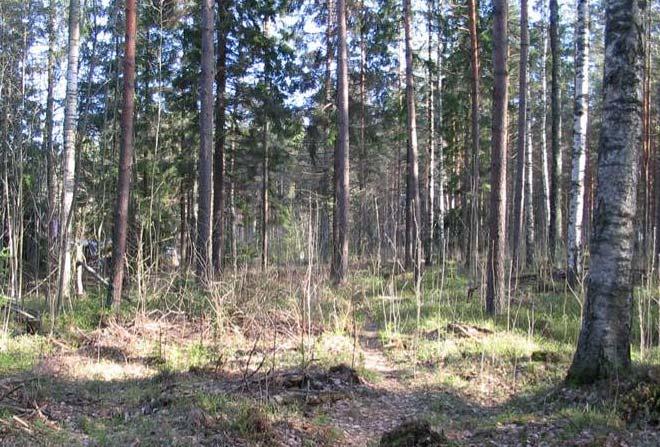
[(200, 372)]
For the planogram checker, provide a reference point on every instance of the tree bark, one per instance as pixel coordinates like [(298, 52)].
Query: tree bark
[(206, 143), (51, 157), (264, 195), (440, 140), (519, 193), (364, 223), (413, 208), (430, 152), (473, 238), (231, 192), (603, 349), (69, 154), (529, 196), (496, 252), (340, 252), (657, 195), (545, 182), (580, 117), (219, 150), (555, 180), (120, 229)]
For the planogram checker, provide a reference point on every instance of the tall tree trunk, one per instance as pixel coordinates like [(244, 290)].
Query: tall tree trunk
[(603, 348), (519, 193), (439, 132), (340, 256), (529, 196), (646, 159), (580, 117), (265, 166), (51, 219), (555, 180), (430, 151), (231, 192), (473, 239), (219, 150), (497, 246), (545, 181), (120, 228), (206, 143), (264, 195), (413, 208), (364, 224), (329, 49), (657, 195), (324, 182), (69, 154)]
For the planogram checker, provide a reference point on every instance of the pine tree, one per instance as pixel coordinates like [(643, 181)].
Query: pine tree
[(497, 245), (120, 228)]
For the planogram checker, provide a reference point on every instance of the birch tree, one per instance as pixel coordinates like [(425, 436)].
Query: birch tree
[(579, 159), (413, 214), (603, 348), (69, 154), (544, 223), (529, 195)]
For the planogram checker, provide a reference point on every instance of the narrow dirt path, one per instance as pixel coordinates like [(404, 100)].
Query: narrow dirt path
[(386, 404)]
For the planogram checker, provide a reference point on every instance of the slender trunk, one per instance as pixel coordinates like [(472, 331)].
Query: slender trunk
[(555, 180), (430, 153), (439, 128), (545, 174), (473, 239), (219, 155), (413, 214), (264, 196), (519, 193), (51, 219), (206, 143), (657, 195), (340, 256), (329, 49), (529, 196), (69, 155), (576, 209), (497, 246), (324, 183), (645, 201), (232, 206), (125, 159), (364, 224), (603, 349)]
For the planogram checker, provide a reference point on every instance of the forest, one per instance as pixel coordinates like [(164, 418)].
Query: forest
[(329, 223)]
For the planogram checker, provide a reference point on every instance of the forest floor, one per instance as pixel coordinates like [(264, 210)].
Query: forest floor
[(250, 369)]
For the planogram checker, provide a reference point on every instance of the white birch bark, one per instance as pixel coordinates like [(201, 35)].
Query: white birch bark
[(580, 116), (603, 349), (69, 154), (529, 195)]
